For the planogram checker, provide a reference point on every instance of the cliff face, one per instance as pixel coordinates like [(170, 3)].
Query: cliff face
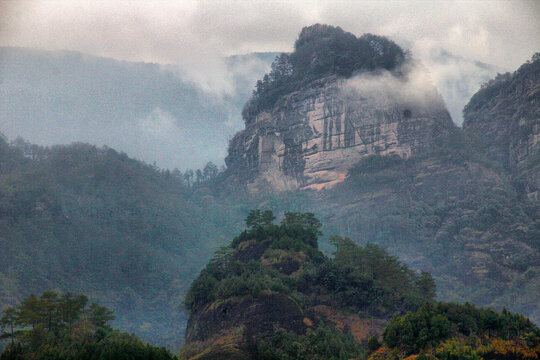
[(504, 116), (312, 137)]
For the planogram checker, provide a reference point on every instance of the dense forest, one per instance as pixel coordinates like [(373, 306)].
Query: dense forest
[(364, 279), (86, 219), (284, 261), (66, 327)]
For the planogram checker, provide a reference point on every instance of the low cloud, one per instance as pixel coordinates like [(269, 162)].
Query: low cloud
[(197, 35), (386, 90)]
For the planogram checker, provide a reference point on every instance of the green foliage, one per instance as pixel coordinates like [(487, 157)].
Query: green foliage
[(373, 344), (370, 280), (501, 82), (321, 51), (457, 350), (414, 208), (365, 279), (324, 343), (65, 328), (434, 323), (113, 227)]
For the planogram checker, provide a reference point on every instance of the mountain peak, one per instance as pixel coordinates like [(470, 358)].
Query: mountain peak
[(335, 100)]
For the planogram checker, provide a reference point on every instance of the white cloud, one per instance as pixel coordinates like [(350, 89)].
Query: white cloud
[(196, 34), (161, 125)]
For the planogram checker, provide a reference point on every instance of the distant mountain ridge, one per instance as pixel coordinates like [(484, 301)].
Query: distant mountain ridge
[(153, 112)]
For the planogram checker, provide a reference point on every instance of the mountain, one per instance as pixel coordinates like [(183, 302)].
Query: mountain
[(348, 128), (153, 112), (85, 219), (274, 277), (373, 102), (385, 164), (271, 294)]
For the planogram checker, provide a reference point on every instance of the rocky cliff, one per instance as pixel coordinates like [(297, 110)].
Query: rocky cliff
[(504, 117), (313, 136), (333, 101)]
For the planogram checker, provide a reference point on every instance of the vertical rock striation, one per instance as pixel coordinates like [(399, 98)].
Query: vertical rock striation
[(504, 117), (312, 137)]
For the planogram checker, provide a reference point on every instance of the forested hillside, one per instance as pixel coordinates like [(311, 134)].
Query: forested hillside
[(271, 294), (454, 202), (67, 327), (91, 220), (275, 277)]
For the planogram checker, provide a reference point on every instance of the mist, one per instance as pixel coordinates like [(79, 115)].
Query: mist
[(155, 113), (159, 82)]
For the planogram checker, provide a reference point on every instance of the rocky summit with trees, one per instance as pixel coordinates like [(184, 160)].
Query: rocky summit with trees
[(273, 295)]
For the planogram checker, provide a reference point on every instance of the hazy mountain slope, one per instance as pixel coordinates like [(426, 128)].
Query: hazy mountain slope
[(85, 219), (504, 117), (152, 112)]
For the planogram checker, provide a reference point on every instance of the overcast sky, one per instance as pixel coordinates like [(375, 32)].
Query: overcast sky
[(195, 33)]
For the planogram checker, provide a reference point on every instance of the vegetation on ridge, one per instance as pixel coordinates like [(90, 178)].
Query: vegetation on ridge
[(65, 327), (454, 331), (286, 260), (364, 281), (320, 51)]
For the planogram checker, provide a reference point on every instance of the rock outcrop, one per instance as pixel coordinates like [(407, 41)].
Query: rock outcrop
[(312, 137), (504, 116), (273, 283)]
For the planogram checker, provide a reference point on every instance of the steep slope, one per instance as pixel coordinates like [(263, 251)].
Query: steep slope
[(85, 219), (504, 116)]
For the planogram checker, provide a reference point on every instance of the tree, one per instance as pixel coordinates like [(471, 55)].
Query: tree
[(254, 218), (210, 171), (267, 217), (7, 323), (99, 316), (71, 308)]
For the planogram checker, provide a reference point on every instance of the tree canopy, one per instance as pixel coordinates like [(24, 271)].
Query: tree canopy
[(54, 326), (321, 51)]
